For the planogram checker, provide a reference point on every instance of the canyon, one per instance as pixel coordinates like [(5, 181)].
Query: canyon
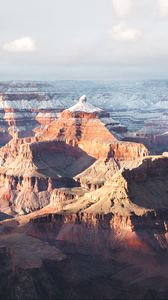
[(138, 110), (83, 214)]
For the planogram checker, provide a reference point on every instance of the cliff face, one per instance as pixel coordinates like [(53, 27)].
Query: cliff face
[(21, 113), (82, 125), (77, 188), (24, 261), (129, 210), (45, 117), (128, 151), (32, 167), (36, 269), (85, 130), (30, 171), (93, 244), (106, 232)]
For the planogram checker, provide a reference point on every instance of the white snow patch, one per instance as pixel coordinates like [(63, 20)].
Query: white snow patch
[(84, 106)]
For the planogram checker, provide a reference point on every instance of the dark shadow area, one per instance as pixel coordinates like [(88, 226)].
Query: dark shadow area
[(4, 216), (58, 159), (151, 229), (5, 138), (148, 184), (87, 273)]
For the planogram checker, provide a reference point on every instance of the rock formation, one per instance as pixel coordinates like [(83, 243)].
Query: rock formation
[(30, 168), (118, 231), (29, 171), (129, 210), (81, 210), (21, 113), (45, 117), (81, 126)]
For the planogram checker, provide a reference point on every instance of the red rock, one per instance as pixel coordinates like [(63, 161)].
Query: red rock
[(86, 131), (67, 147)]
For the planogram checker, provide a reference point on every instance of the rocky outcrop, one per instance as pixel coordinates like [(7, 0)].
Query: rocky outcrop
[(63, 196), (25, 114), (37, 269), (109, 223), (102, 201), (22, 195), (45, 117), (31, 168), (145, 232), (24, 261), (24, 111), (130, 210), (83, 131), (81, 126), (78, 187)]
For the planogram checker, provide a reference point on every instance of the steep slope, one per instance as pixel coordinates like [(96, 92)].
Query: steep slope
[(29, 172), (129, 210), (34, 269), (30, 168), (93, 214), (136, 190), (116, 237), (81, 126), (77, 189)]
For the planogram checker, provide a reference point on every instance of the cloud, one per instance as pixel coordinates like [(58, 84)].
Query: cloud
[(163, 8), (24, 44), (122, 8), (121, 32)]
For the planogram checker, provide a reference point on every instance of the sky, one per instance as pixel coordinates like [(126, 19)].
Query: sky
[(83, 39)]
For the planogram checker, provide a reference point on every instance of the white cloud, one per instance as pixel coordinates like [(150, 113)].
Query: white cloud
[(122, 8), (121, 32), (24, 44), (163, 7)]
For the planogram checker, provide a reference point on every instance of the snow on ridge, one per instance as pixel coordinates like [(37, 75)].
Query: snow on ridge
[(84, 106)]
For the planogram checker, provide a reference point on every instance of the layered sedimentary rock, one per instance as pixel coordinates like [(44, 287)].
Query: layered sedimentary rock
[(23, 112), (45, 117), (128, 103), (101, 202), (119, 231), (129, 210), (31, 168), (81, 126), (125, 222), (77, 188), (36, 269)]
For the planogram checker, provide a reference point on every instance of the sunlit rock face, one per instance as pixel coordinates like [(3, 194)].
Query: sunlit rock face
[(75, 186), (119, 230), (59, 156), (46, 117), (30, 170), (81, 126), (27, 114), (130, 210)]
